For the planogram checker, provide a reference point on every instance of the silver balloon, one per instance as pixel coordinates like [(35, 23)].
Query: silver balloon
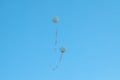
[(62, 49), (55, 19)]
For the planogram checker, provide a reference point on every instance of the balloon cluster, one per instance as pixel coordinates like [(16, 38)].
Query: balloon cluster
[(56, 20), (62, 49)]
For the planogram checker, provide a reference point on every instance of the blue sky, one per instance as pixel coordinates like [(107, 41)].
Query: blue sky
[(88, 29)]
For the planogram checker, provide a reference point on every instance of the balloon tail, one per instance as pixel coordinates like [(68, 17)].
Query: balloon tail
[(60, 57), (56, 39), (55, 68)]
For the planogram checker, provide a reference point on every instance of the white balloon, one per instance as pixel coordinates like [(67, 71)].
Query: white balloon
[(62, 49), (55, 19)]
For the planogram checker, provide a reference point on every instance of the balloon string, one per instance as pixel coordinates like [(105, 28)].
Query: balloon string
[(56, 39), (55, 68), (61, 57), (59, 62)]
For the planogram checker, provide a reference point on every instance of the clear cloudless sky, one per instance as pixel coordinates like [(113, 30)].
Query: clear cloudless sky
[(88, 29)]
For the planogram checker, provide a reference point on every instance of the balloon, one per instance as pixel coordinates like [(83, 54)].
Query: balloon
[(62, 49), (55, 19)]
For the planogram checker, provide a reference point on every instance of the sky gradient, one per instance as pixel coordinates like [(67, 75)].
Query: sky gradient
[(88, 29)]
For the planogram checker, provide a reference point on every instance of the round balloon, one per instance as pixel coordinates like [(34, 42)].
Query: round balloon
[(62, 49), (55, 19)]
